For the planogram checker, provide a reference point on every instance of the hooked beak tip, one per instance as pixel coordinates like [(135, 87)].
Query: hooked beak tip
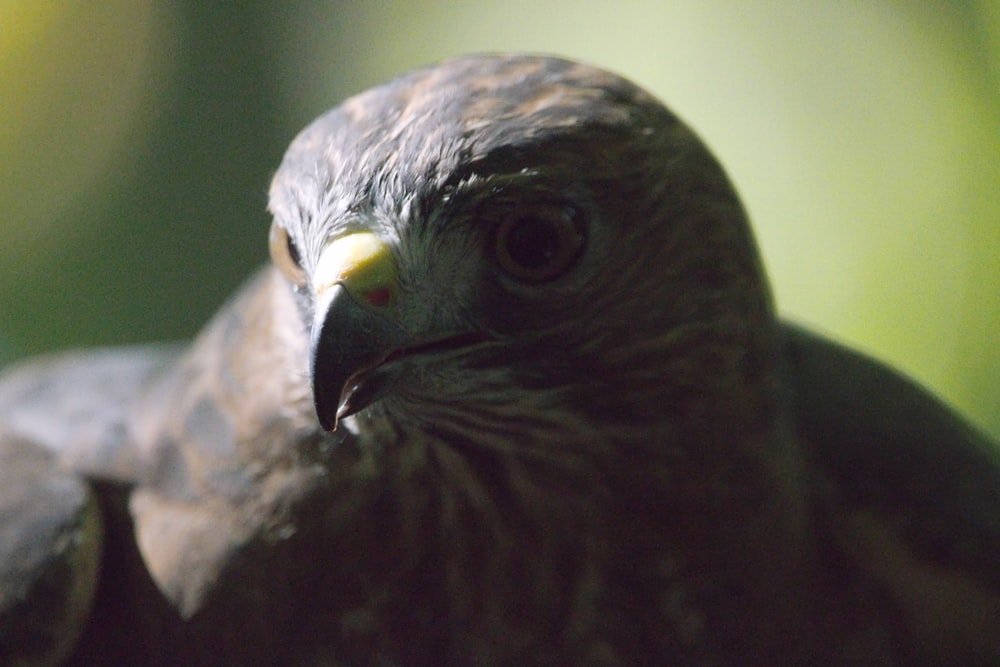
[(348, 341)]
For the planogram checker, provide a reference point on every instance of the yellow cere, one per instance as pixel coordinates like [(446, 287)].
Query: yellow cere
[(362, 263)]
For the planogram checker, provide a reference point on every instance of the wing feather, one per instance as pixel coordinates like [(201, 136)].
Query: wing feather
[(910, 492)]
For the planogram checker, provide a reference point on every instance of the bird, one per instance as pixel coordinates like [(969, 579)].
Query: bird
[(511, 391)]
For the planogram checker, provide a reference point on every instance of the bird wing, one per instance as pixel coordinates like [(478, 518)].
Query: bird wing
[(230, 447), (50, 535), (204, 454), (213, 439), (61, 417), (911, 493), (79, 405)]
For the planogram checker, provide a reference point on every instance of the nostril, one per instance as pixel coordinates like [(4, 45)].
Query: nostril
[(378, 297)]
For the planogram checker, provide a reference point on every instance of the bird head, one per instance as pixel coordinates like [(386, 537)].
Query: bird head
[(509, 229)]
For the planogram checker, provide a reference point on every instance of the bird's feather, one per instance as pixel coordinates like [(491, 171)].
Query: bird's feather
[(620, 457), (910, 492)]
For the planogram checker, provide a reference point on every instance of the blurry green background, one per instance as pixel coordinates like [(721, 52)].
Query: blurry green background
[(137, 140)]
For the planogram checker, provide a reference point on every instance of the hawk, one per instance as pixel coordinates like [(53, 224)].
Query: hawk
[(511, 392)]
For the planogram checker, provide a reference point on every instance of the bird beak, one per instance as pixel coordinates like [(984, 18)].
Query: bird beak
[(355, 284)]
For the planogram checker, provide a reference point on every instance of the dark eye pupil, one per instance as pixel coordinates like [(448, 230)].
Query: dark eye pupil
[(531, 242), (293, 251), (540, 243)]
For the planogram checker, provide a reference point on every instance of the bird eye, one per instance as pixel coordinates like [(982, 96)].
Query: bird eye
[(539, 244), (285, 254)]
